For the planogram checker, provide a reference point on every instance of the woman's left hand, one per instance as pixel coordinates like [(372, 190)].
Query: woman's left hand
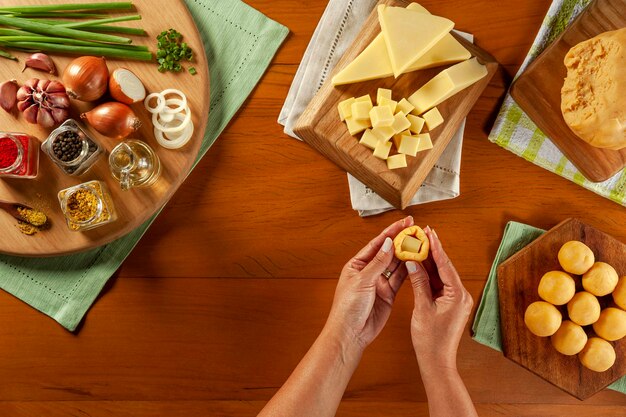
[(364, 296)]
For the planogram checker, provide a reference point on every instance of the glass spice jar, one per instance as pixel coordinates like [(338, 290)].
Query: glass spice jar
[(87, 206), (71, 149), (19, 155)]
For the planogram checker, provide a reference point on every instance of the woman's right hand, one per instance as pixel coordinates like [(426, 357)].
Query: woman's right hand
[(438, 319)]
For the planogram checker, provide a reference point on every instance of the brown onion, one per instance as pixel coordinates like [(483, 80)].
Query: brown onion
[(86, 78), (43, 102), (115, 120)]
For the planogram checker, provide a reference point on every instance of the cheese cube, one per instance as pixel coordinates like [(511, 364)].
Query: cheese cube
[(345, 108), (381, 116), (409, 145), (361, 110), (417, 123), (368, 139), (432, 118), (404, 106), (396, 161), (357, 126), (397, 138), (400, 122), (366, 98), (382, 93), (383, 133), (388, 102), (424, 142), (382, 150)]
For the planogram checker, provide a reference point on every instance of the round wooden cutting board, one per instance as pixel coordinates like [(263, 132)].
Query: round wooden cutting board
[(137, 205)]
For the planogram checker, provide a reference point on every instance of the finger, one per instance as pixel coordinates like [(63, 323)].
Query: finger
[(447, 272), (369, 251), (380, 262), (420, 283), (397, 278)]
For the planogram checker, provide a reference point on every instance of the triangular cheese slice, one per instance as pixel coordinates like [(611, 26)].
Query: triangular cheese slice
[(409, 34)]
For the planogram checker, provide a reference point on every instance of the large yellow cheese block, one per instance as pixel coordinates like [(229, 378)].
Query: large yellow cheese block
[(446, 84), (409, 34), (374, 62)]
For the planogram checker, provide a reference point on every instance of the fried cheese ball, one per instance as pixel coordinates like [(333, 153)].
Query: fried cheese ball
[(575, 257), (611, 325), (542, 319), (557, 287), (570, 339), (584, 308), (597, 355), (411, 244), (619, 293), (601, 279)]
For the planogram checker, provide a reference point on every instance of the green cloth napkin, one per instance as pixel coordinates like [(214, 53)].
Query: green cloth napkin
[(516, 132), (239, 43), (486, 327)]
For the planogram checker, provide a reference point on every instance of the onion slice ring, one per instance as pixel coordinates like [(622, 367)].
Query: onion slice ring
[(165, 129), (181, 106), (177, 141), (160, 103)]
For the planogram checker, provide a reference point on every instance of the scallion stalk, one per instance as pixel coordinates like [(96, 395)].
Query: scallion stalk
[(110, 52), (5, 54), (99, 21), (98, 28), (69, 7), (67, 41)]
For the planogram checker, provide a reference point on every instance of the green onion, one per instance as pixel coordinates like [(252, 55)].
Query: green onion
[(67, 41), (53, 14), (110, 52), (100, 21), (192, 71), (97, 28), (69, 7), (7, 55), (171, 51)]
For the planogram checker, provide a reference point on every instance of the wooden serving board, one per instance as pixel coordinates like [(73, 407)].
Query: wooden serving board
[(538, 90), (518, 280), (321, 128), (135, 206)]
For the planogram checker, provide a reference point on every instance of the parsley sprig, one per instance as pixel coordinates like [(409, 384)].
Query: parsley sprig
[(171, 50)]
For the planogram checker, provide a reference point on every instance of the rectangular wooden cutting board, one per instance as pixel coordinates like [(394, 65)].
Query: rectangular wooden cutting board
[(538, 90), (321, 128)]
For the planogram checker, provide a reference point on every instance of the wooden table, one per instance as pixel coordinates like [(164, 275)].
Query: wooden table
[(226, 292)]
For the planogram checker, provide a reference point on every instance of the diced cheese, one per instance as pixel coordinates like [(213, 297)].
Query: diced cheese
[(417, 123), (383, 133), (404, 106), (424, 142), (357, 126), (432, 118), (374, 61), (446, 84), (410, 244), (345, 109), (392, 104), (409, 34), (382, 149), (409, 145), (365, 97), (369, 139), (361, 110), (397, 138), (383, 92), (381, 116), (400, 122), (396, 161)]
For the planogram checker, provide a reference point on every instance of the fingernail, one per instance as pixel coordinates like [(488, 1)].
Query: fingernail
[(408, 220), (427, 228), (435, 233), (387, 245), (411, 267)]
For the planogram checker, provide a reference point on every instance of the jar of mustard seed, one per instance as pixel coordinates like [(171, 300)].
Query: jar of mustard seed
[(87, 206), (19, 155), (71, 149)]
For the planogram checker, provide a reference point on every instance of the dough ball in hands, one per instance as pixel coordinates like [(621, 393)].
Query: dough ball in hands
[(619, 293), (542, 319), (601, 279), (584, 308), (611, 325), (411, 244), (575, 257), (597, 355), (557, 287), (570, 339)]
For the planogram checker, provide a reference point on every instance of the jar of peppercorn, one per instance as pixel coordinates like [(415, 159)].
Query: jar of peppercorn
[(19, 155), (71, 149), (87, 206)]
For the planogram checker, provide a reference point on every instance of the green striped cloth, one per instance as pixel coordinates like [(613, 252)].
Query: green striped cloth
[(239, 43), (486, 327), (513, 129)]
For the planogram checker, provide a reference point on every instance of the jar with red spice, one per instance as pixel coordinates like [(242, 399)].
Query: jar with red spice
[(19, 155)]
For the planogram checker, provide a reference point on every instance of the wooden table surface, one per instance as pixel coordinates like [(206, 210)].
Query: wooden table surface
[(228, 289)]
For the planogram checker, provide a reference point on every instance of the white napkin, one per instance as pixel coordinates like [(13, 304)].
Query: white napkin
[(341, 22)]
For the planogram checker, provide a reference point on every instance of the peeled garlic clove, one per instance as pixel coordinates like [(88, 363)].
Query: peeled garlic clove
[(30, 114), (8, 95), (41, 62)]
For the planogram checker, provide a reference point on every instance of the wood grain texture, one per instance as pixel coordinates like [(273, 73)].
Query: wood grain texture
[(137, 205), (321, 128), (518, 280), (538, 90), (208, 316)]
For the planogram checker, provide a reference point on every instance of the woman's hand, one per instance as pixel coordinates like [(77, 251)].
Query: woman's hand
[(364, 296), (438, 319)]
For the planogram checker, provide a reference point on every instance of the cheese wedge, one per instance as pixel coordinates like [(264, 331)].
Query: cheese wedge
[(409, 34), (374, 63), (446, 84)]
